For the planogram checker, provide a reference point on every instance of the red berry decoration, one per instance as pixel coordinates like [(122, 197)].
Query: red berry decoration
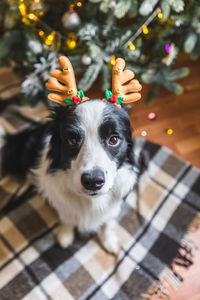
[(76, 100), (113, 99)]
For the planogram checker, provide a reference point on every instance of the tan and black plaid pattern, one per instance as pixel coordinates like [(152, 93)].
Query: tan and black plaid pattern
[(33, 266)]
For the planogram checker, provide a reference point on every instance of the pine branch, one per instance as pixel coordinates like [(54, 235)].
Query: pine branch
[(190, 42), (105, 77), (90, 76), (165, 8), (147, 7), (173, 87), (178, 73), (122, 8)]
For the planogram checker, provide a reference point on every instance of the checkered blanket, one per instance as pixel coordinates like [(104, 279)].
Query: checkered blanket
[(33, 266)]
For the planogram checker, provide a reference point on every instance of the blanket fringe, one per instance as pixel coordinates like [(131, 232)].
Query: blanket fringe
[(158, 289), (184, 258)]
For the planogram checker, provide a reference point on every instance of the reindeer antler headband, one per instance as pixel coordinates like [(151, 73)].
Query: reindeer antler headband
[(125, 89)]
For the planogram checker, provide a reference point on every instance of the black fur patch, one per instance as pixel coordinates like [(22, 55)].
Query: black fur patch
[(116, 122), (65, 125)]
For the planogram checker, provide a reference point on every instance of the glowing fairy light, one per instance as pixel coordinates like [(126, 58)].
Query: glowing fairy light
[(113, 60), (22, 9), (32, 17), (41, 33), (145, 29), (71, 44), (159, 14), (131, 46), (50, 38)]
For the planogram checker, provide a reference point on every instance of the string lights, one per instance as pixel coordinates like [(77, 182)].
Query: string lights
[(142, 29), (50, 38), (30, 17)]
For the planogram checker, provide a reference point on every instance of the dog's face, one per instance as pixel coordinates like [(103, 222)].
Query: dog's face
[(90, 143)]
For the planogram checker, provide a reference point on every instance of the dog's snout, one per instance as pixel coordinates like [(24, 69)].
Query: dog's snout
[(93, 180)]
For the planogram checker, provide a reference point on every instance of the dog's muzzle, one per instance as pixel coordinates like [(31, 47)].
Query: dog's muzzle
[(93, 180)]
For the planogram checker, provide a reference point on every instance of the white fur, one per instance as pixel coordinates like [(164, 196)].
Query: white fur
[(109, 238), (92, 154), (65, 235), (65, 193)]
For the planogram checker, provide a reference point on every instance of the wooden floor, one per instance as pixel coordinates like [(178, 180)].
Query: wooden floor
[(180, 113)]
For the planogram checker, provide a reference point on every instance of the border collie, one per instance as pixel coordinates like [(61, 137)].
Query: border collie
[(82, 163), (82, 160)]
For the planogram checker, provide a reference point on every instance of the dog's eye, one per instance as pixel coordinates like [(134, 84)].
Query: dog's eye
[(72, 141), (113, 140)]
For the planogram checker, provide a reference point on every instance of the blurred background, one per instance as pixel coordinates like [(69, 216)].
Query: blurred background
[(159, 39)]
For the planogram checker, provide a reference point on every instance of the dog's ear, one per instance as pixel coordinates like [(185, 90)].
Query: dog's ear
[(57, 114)]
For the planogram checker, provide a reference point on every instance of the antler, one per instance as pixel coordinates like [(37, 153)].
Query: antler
[(123, 83), (66, 76), (124, 88)]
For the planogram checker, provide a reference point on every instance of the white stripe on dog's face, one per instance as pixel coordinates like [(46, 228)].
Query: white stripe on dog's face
[(92, 155)]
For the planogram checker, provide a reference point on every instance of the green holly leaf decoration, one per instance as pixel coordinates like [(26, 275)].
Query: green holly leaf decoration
[(108, 94), (69, 101), (80, 94), (120, 100)]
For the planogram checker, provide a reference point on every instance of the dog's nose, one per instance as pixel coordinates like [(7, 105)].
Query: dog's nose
[(93, 180)]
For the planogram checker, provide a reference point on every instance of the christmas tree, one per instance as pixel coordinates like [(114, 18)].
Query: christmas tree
[(148, 34)]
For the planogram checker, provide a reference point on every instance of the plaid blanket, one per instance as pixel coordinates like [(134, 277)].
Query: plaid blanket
[(33, 266)]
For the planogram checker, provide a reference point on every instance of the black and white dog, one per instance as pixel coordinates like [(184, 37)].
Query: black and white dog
[(82, 163)]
